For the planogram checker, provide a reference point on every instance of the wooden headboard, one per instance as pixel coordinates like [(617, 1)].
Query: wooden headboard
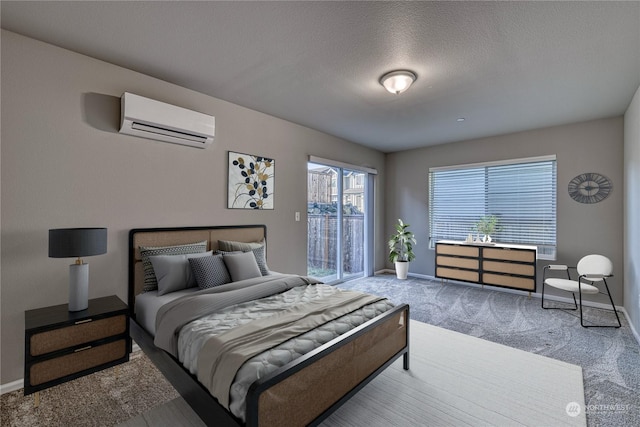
[(180, 236)]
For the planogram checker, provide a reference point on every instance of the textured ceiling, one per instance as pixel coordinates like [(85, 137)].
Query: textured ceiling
[(503, 66)]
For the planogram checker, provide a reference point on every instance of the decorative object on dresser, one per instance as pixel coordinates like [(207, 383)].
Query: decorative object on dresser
[(487, 226), (62, 345), (508, 266), (401, 249), (72, 243)]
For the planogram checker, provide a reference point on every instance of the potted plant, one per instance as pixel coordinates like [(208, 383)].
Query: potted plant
[(401, 249), (487, 226)]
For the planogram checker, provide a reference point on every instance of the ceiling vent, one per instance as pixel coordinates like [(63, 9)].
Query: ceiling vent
[(148, 118)]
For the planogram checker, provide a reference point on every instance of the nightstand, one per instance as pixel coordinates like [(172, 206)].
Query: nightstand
[(61, 345)]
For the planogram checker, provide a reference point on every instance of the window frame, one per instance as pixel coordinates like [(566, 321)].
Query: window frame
[(547, 246)]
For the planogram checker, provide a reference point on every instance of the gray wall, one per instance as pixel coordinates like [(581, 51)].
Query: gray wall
[(65, 165), (594, 146), (631, 212)]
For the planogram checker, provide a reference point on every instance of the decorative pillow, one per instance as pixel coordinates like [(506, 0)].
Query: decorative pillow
[(150, 281), (242, 266), (260, 258), (230, 245), (209, 271), (173, 271)]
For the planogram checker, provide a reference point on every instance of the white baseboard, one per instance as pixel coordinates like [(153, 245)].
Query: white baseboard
[(18, 384), (633, 330), (12, 386)]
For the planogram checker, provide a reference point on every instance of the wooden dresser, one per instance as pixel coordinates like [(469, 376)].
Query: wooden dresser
[(508, 266), (62, 345)]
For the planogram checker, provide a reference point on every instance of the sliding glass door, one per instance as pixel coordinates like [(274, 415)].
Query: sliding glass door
[(338, 222), (353, 223)]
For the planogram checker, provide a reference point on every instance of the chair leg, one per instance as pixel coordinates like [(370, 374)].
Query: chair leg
[(612, 306)]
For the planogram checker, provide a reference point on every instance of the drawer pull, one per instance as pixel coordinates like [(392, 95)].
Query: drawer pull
[(84, 321), (77, 350)]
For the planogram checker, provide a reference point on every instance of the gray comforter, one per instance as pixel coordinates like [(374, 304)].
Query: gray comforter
[(173, 316), (222, 355)]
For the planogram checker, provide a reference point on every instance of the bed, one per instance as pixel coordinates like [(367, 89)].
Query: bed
[(303, 391)]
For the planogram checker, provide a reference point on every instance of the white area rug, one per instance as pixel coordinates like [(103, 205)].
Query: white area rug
[(459, 380)]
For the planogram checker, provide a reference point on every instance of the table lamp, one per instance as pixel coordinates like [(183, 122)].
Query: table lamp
[(72, 243)]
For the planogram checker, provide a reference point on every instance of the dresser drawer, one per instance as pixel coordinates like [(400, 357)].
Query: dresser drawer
[(509, 254), (78, 361), (509, 267), (452, 273), (470, 263), (83, 331), (443, 249), (509, 281)]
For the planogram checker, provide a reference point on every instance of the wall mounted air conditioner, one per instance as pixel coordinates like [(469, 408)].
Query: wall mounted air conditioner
[(148, 118)]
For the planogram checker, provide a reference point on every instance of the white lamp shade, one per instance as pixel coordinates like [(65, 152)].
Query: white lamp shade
[(398, 81)]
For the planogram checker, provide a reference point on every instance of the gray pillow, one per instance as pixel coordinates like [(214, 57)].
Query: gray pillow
[(261, 260), (173, 272), (150, 281), (242, 266), (230, 245), (209, 271), (259, 253)]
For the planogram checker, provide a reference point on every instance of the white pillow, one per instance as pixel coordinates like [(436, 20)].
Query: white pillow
[(173, 271)]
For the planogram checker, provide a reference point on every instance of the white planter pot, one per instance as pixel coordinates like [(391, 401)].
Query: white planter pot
[(402, 268)]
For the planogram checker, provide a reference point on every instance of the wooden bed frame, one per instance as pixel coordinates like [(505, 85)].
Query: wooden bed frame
[(303, 392)]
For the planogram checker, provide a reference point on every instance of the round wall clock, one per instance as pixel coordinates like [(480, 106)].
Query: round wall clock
[(590, 187)]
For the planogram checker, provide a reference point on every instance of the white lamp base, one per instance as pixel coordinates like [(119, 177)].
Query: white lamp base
[(78, 287)]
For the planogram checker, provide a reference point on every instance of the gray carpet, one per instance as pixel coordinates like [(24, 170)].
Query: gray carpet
[(104, 398), (610, 358)]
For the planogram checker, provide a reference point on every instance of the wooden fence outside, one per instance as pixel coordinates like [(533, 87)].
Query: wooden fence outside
[(323, 242)]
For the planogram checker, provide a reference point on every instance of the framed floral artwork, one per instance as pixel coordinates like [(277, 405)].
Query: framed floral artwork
[(251, 182)]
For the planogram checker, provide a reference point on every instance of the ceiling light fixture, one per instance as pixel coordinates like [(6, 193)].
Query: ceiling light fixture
[(398, 81), (460, 119)]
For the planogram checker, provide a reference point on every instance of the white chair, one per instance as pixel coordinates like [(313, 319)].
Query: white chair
[(592, 270)]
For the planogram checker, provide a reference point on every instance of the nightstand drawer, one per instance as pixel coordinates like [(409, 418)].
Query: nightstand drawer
[(78, 361), (61, 345), (83, 331)]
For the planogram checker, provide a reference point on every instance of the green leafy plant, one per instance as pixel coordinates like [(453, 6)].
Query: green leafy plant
[(487, 225), (401, 244)]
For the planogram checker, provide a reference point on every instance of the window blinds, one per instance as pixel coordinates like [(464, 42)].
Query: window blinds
[(521, 194)]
